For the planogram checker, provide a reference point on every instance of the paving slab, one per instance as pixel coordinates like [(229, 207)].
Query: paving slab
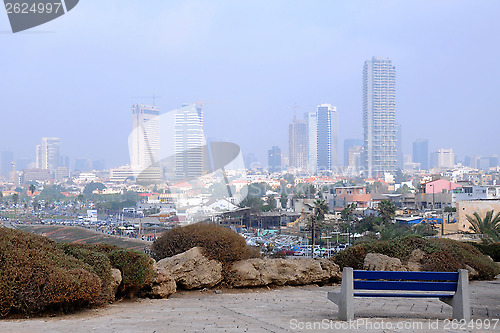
[(283, 309)]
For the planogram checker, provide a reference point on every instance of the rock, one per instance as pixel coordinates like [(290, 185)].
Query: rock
[(263, 272), (116, 279), (164, 289), (415, 260), (472, 272), (163, 284), (381, 262), (192, 270), (332, 268)]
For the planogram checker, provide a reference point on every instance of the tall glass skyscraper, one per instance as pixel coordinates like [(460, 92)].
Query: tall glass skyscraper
[(274, 159), (379, 116), (326, 137), (421, 153)]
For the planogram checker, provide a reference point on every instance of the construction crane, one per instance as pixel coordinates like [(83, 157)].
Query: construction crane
[(153, 97)]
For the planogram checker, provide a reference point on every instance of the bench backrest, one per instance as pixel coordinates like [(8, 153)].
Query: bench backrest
[(396, 280)]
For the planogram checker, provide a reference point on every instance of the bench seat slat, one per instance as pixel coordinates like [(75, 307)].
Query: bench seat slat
[(405, 285), (403, 295), (397, 275)]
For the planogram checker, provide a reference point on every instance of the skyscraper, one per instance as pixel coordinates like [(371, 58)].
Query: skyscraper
[(348, 143), (326, 137), (421, 153), (297, 141), (312, 141), (189, 141), (444, 158), (145, 138), (48, 154), (400, 163), (379, 116), (274, 159)]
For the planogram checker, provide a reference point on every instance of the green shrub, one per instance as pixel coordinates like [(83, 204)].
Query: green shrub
[(218, 242), (492, 249), (441, 255), (99, 263), (136, 268), (35, 275)]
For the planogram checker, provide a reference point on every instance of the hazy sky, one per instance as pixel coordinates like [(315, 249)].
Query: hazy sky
[(77, 76)]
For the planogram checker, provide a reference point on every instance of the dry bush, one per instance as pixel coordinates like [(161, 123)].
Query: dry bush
[(99, 263), (218, 242), (35, 274)]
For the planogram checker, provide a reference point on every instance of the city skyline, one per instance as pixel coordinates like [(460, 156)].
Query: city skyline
[(258, 67)]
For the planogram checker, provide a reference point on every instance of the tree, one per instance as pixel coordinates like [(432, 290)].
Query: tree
[(283, 200), (320, 208), (32, 189), (346, 215), (387, 210), (270, 204), (488, 226), (15, 199), (91, 187)]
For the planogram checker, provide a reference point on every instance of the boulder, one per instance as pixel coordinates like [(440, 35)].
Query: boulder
[(381, 262), (191, 270), (116, 279), (163, 284), (263, 272), (415, 260), (473, 274)]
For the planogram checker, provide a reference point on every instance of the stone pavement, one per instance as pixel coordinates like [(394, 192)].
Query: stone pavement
[(284, 309)]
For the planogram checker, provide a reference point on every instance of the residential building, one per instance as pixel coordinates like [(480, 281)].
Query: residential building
[(312, 143), (48, 153), (379, 116), (30, 175), (144, 141), (421, 153), (436, 194), (297, 142), (443, 159), (274, 159), (399, 148), (348, 143)]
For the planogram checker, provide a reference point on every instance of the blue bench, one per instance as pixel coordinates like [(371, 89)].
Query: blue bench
[(450, 287)]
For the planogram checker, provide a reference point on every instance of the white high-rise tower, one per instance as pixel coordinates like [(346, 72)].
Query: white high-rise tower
[(379, 116), (145, 137), (189, 142)]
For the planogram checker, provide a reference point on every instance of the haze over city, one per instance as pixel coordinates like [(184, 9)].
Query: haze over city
[(77, 77)]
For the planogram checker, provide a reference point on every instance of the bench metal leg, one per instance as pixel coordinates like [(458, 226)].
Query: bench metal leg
[(345, 299), (460, 301)]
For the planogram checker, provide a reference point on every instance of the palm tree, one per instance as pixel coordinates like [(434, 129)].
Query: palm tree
[(387, 210), (346, 215), (488, 226), (318, 214)]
